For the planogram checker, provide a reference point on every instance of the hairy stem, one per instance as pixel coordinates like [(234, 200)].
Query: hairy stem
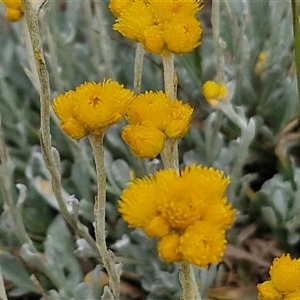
[(51, 162), (188, 282), (99, 212)]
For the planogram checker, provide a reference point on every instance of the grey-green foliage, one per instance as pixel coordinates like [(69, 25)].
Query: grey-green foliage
[(265, 103), (279, 199)]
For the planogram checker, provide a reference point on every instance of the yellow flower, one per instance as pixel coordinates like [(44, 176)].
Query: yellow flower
[(92, 107), (203, 243), (153, 116), (134, 20), (168, 248), (157, 227), (179, 124), (160, 26), (182, 34), (285, 273), (214, 93), (14, 10), (151, 109), (178, 212), (166, 10), (267, 291), (135, 207), (117, 6), (145, 142), (154, 39)]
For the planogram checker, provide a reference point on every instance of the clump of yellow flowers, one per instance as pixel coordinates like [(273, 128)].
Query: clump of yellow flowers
[(153, 117), (161, 26), (214, 93), (186, 211), (92, 107), (14, 9), (284, 283)]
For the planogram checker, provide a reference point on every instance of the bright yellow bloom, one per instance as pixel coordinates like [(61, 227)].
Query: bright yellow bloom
[(177, 208), (214, 93), (134, 20), (166, 10), (285, 273), (168, 248), (267, 291), (182, 34), (14, 9), (285, 280), (161, 26), (154, 39), (151, 109), (117, 6), (203, 243), (135, 207), (152, 117), (144, 142), (180, 120), (92, 107)]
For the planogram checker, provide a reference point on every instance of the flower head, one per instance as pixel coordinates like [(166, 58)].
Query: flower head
[(214, 93), (182, 34), (144, 142), (92, 107), (152, 117), (161, 26), (177, 209), (14, 9), (285, 273), (285, 280)]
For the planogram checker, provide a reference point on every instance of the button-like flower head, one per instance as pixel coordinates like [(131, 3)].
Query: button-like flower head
[(92, 107), (178, 209), (14, 9), (285, 280), (152, 117), (214, 93), (161, 26)]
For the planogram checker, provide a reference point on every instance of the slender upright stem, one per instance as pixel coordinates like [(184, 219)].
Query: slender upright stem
[(104, 40), (169, 74), (138, 68), (169, 157), (218, 43), (51, 161), (188, 282), (99, 212), (296, 29)]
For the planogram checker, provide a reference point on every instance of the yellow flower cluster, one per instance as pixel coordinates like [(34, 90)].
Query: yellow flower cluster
[(14, 9), (153, 117), (92, 107), (161, 26), (214, 93), (284, 283), (187, 212)]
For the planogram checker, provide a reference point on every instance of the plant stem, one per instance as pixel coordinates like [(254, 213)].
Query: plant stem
[(297, 46), (188, 282), (104, 40), (138, 68), (99, 211), (51, 162), (169, 156), (218, 43), (169, 74)]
